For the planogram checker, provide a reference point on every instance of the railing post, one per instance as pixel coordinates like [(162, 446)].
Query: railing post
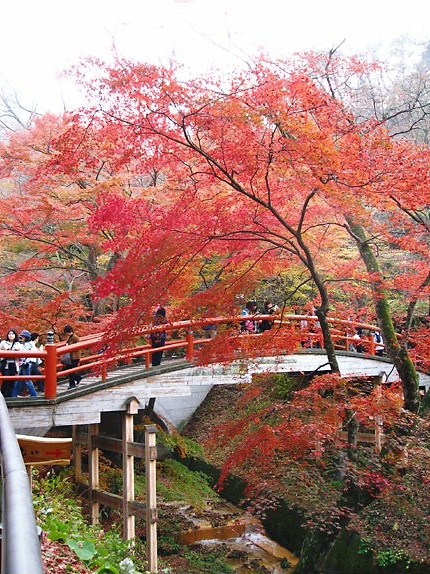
[(128, 469), (148, 360), (104, 373), (151, 497), (190, 346), (50, 367)]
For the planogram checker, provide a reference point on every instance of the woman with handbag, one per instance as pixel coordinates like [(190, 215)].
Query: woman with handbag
[(75, 357), (37, 362), (9, 367)]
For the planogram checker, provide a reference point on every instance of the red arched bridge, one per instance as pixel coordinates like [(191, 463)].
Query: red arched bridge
[(113, 378), (187, 336)]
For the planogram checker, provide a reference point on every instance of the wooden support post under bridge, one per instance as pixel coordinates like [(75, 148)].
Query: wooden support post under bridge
[(128, 468), (151, 499), (125, 503), (379, 424), (76, 455), (93, 471)]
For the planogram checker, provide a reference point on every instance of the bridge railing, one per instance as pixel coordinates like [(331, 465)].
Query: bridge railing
[(20, 545), (184, 335)]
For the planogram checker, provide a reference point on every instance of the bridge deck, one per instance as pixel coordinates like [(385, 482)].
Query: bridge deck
[(174, 384), (85, 403)]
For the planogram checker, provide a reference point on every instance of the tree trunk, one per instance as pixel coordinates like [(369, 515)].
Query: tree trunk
[(328, 341), (322, 310), (397, 353), (352, 433)]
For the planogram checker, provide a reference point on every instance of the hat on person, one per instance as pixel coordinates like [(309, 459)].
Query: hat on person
[(26, 335)]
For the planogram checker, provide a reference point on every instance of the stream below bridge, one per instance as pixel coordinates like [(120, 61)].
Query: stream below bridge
[(238, 534)]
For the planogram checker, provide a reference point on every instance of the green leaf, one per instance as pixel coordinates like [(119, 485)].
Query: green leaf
[(84, 549), (107, 569), (56, 531)]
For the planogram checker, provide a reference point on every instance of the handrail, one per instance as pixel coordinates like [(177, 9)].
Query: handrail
[(52, 369), (20, 546)]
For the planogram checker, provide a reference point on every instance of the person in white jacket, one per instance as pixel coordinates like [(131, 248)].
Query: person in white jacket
[(9, 367), (26, 367), (379, 343)]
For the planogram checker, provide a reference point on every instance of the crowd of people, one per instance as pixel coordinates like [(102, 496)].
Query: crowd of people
[(360, 341), (26, 366), (251, 323), (30, 366)]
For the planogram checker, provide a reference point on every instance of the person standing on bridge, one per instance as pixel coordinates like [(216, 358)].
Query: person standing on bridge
[(249, 326), (158, 339), (35, 365), (268, 309), (379, 343), (9, 367), (75, 356)]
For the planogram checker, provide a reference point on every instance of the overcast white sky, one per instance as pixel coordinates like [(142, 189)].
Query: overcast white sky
[(41, 38)]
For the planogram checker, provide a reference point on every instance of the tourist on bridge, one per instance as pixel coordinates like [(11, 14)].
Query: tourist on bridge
[(25, 368), (268, 309), (75, 356), (356, 344), (379, 343), (35, 365), (9, 367), (210, 330), (249, 326), (158, 339)]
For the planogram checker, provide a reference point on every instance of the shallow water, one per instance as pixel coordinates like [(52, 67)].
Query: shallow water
[(251, 547), (245, 542)]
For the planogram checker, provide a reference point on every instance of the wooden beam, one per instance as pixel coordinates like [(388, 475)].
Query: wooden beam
[(77, 454), (93, 471), (128, 473), (136, 449), (115, 501), (151, 497)]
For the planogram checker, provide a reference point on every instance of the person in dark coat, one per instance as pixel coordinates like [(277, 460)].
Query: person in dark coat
[(9, 367), (158, 339), (75, 356), (268, 309)]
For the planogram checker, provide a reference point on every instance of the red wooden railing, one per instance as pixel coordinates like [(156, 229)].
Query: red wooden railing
[(94, 360)]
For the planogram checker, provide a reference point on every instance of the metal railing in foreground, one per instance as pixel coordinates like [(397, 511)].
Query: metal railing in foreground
[(20, 545)]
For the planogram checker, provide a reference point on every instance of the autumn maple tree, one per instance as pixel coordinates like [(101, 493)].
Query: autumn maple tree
[(265, 169)]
